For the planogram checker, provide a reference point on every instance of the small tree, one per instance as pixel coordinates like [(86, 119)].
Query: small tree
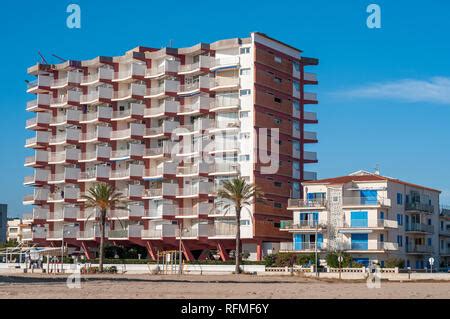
[(103, 198), (238, 194)]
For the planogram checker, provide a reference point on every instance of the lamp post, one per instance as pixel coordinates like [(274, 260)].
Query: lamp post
[(315, 251), (180, 253)]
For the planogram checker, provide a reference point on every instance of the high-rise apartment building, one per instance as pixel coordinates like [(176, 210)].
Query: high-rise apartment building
[(372, 217), (3, 222), (166, 127)]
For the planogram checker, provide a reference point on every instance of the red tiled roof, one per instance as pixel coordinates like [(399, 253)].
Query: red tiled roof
[(364, 178)]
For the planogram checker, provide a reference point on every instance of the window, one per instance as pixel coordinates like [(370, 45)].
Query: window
[(277, 99), (296, 66), (277, 59), (245, 50), (297, 85), (277, 184), (381, 238), (399, 199), (359, 219), (277, 80), (400, 219), (429, 221), (277, 205), (360, 241), (244, 158), (245, 135), (245, 222), (400, 240), (244, 92), (429, 241), (245, 71), (382, 215), (243, 114)]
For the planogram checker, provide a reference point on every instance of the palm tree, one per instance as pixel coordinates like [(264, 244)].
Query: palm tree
[(238, 194), (103, 197)]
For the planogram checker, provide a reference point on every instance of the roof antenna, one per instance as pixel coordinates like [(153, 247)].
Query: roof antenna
[(42, 57), (377, 169), (58, 57), (170, 43)]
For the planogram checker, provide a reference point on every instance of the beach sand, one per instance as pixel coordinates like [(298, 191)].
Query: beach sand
[(209, 286)]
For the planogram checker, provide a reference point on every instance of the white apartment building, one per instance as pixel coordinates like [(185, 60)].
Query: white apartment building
[(14, 230), (372, 217), (166, 127)]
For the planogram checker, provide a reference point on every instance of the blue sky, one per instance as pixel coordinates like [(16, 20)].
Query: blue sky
[(384, 93)]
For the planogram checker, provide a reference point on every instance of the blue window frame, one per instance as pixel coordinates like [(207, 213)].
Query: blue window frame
[(381, 238), (358, 219), (382, 263), (400, 240), (399, 199), (400, 219), (368, 197), (298, 242), (429, 241), (360, 241), (363, 261), (319, 240), (382, 215)]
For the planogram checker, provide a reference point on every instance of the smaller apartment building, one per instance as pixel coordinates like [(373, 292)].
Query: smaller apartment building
[(372, 217), (444, 235)]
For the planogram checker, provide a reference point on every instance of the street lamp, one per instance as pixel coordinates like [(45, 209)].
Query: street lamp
[(180, 253)]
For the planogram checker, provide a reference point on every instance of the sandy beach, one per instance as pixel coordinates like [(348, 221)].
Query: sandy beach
[(209, 286)]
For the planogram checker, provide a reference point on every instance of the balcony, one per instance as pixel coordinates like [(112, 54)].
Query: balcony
[(202, 65), (368, 246), (34, 234), (69, 232), (310, 137), (365, 202), (133, 151), (232, 168), (70, 136), (101, 154), (161, 210), (70, 78), (164, 190), (310, 157), (225, 102), (168, 88), (164, 68), (225, 125), (159, 232), (164, 169), (39, 214), (134, 131), (202, 84), (412, 248), (90, 234), (310, 118), (70, 175), (196, 211), (101, 75), (99, 134), (70, 195), (192, 170), (70, 116), (40, 158), (134, 91), (39, 141), (41, 103), (222, 83), (71, 97), (196, 231), (132, 231), (419, 207), (166, 109), (200, 125), (308, 225), (163, 151), (197, 105), (134, 171), (40, 176), (302, 247), (68, 213), (39, 196), (228, 145), (134, 111), (419, 228), (223, 230), (310, 78), (310, 98), (130, 71), (41, 84), (98, 173), (307, 204), (101, 95), (224, 62), (370, 224), (132, 211), (69, 155), (40, 122), (309, 176), (103, 114), (195, 190), (165, 129)]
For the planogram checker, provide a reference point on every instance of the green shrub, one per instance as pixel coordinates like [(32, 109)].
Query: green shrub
[(394, 262), (332, 260), (269, 260)]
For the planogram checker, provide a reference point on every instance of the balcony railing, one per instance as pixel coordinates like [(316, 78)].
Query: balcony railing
[(421, 207), (413, 248), (418, 227), (303, 224), (368, 246), (302, 246), (370, 223), (366, 201), (294, 203)]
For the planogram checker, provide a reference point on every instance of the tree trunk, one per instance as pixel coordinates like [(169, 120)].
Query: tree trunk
[(238, 241), (102, 239)]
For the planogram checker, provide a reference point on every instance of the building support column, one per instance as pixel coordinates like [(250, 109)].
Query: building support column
[(187, 252), (259, 252), (87, 253), (150, 250)]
